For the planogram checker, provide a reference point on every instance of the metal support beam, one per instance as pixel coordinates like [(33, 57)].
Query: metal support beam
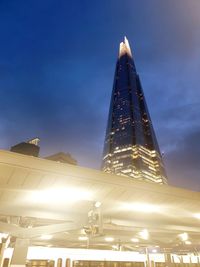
[(20, 253)]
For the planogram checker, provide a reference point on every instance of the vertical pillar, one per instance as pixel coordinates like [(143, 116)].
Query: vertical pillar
[(168, 261), (51, 263), (148, 262), (3, 245), (181, 260), (20, 253), (67, 263), (190, 257), (6, 262), (172, 259), (59, 262), (2, 248)]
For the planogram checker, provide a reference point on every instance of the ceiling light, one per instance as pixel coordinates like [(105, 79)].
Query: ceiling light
[(109, 239), (134, 240), (154, 250), (97, 204), (59, 195), (197, 215), (83, 238), (141, 207), (188, 242), (46, 237), (2, 236), (144, 234), (184, 236)]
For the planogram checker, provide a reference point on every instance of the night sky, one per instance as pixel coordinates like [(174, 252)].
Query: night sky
[(57, 62)]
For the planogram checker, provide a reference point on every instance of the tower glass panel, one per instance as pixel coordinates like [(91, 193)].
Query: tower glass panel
[(130, 147)]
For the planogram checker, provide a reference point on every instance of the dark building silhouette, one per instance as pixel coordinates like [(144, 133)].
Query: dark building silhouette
[(30, 147), (131, 148), (62, 157)]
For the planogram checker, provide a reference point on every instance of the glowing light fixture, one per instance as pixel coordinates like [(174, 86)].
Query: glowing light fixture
[(125, 48), (109, 239), (134, 240), (187, 242), (154, 250), (59, 195), (141, 207), (46, 237), (183, 236), (97, 204), (197, 215), (83, 238), (144, 234), (3, 235)]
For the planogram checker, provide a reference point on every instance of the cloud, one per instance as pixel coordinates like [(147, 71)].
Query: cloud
[(183, 162)]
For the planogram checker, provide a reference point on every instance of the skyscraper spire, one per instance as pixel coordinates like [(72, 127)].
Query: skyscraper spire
[(124, 48), (131, 148)]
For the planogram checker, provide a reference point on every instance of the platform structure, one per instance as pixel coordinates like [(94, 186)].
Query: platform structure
[(60, 207)]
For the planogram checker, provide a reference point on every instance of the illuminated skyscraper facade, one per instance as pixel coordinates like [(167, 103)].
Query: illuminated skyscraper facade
[(131, 148)]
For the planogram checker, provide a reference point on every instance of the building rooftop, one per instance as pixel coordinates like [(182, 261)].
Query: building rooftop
[(62, 157)]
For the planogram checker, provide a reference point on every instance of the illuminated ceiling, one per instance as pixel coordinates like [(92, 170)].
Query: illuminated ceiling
[(56, 204)]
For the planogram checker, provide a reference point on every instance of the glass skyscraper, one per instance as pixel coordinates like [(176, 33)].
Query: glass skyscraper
[(131, 148)]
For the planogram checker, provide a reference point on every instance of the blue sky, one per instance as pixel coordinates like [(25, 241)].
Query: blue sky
[(57, 61)]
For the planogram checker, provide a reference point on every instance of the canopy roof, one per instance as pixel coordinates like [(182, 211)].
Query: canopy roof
[(39, 196)]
